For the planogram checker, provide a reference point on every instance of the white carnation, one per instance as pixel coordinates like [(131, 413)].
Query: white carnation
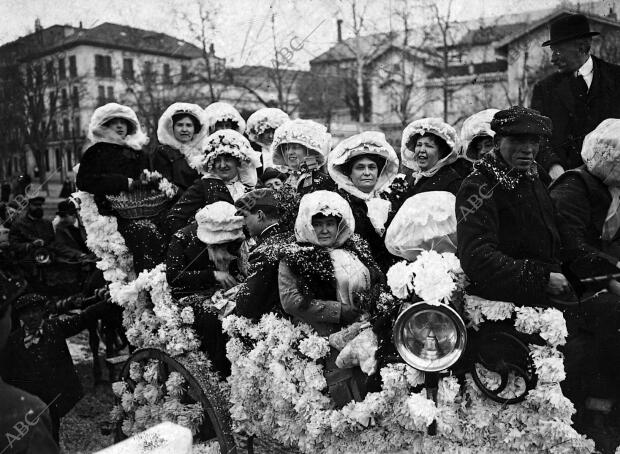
[(400, 279)]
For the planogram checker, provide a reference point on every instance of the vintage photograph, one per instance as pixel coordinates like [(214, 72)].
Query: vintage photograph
[(309, 226)]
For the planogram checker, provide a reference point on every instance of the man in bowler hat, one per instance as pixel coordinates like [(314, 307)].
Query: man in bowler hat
[(584, 92)]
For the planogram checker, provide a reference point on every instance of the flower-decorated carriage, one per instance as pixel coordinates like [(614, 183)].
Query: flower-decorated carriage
[(453, 372)]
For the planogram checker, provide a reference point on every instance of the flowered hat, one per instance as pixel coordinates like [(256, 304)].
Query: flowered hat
[(263, 119), (327, 203), (98, 132), (227, 141), (421, 127), (308, 133), (601, 152), (222, 111), (366, 143), (479, 124), (219, 223), (425, 221)]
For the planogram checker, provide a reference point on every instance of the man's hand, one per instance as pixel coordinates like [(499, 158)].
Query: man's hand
[(558, 284), (555, 171), (226, 280)]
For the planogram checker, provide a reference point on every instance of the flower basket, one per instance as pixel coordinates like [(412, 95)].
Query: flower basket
[(138, 204)]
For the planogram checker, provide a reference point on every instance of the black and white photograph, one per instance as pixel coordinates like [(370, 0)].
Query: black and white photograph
[(309, 226)]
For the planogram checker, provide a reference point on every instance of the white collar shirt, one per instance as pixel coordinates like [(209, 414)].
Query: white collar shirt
[(586, 71)]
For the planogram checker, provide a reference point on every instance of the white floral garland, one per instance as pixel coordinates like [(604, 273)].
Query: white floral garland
[(151, 402)]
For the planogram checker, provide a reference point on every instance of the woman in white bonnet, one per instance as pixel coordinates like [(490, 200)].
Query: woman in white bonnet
[(260, 129), (476, 140), (221, 115), (180, 131), (363, 166)]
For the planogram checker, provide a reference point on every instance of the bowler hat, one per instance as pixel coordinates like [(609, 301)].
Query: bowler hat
[(65, 208), (567, 28)]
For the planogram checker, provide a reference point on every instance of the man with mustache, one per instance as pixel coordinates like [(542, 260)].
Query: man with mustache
[(584, 92)]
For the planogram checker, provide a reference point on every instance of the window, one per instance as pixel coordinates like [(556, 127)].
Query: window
[(69, 159), (47, 160), (64, 99), (49, 72), (100, 95), (103, 66), (58, 158), (77, 127), (72, 66), (62, 74), (147, 72), (51, 100), (184, 73), (110, 94), (54, 127), (166, 74), (66, 128), (128, 69), (75, 97)]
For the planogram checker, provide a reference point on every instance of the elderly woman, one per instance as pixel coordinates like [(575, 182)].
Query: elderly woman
[(300, 148), (202, 258), (113, 163), (229, 167), (428, 148), (180, 132), (322, 275), (260, 129), (221, 115), (363, 166)]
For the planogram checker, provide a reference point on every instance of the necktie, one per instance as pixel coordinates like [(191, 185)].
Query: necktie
[(582, 86)]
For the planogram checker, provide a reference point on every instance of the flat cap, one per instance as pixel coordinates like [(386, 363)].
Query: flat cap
[(518, 120), (258, 198)]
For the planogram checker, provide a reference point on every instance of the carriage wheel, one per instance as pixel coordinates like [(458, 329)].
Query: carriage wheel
[(217, 423)]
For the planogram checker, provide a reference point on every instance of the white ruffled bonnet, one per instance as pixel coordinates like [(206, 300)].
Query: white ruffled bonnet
[(601, 152), (165, 133), (263, 119), (97, 132), (479, 124), (425, 221), (424, 126), (310, 134), (327, 203), (366, 143), (222, 111), (219, 223)]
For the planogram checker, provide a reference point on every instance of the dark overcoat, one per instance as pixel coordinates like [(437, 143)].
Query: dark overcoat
[(574, 112), (173, 166), (508, 242)]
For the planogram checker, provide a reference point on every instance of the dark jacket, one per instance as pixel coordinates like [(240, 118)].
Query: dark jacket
[(581, 201), (105, 169), (203, 192), (71, 238), (173, 166), (575, 113), (46, 368), (446, 179), (26, 229), (259, 293), (319, 181), (188, 267), (365, 229), (508, 241), (24, 423)]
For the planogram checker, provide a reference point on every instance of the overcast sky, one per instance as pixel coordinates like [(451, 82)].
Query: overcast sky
[(242, 28)]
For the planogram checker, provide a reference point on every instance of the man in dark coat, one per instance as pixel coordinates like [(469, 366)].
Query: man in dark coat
[(584, 92), (259, 293), (68, 236), (38, 359), (30, 230), (25, 422), (508, 242)]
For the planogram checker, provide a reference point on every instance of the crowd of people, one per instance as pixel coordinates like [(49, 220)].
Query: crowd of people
[(271, 213)]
